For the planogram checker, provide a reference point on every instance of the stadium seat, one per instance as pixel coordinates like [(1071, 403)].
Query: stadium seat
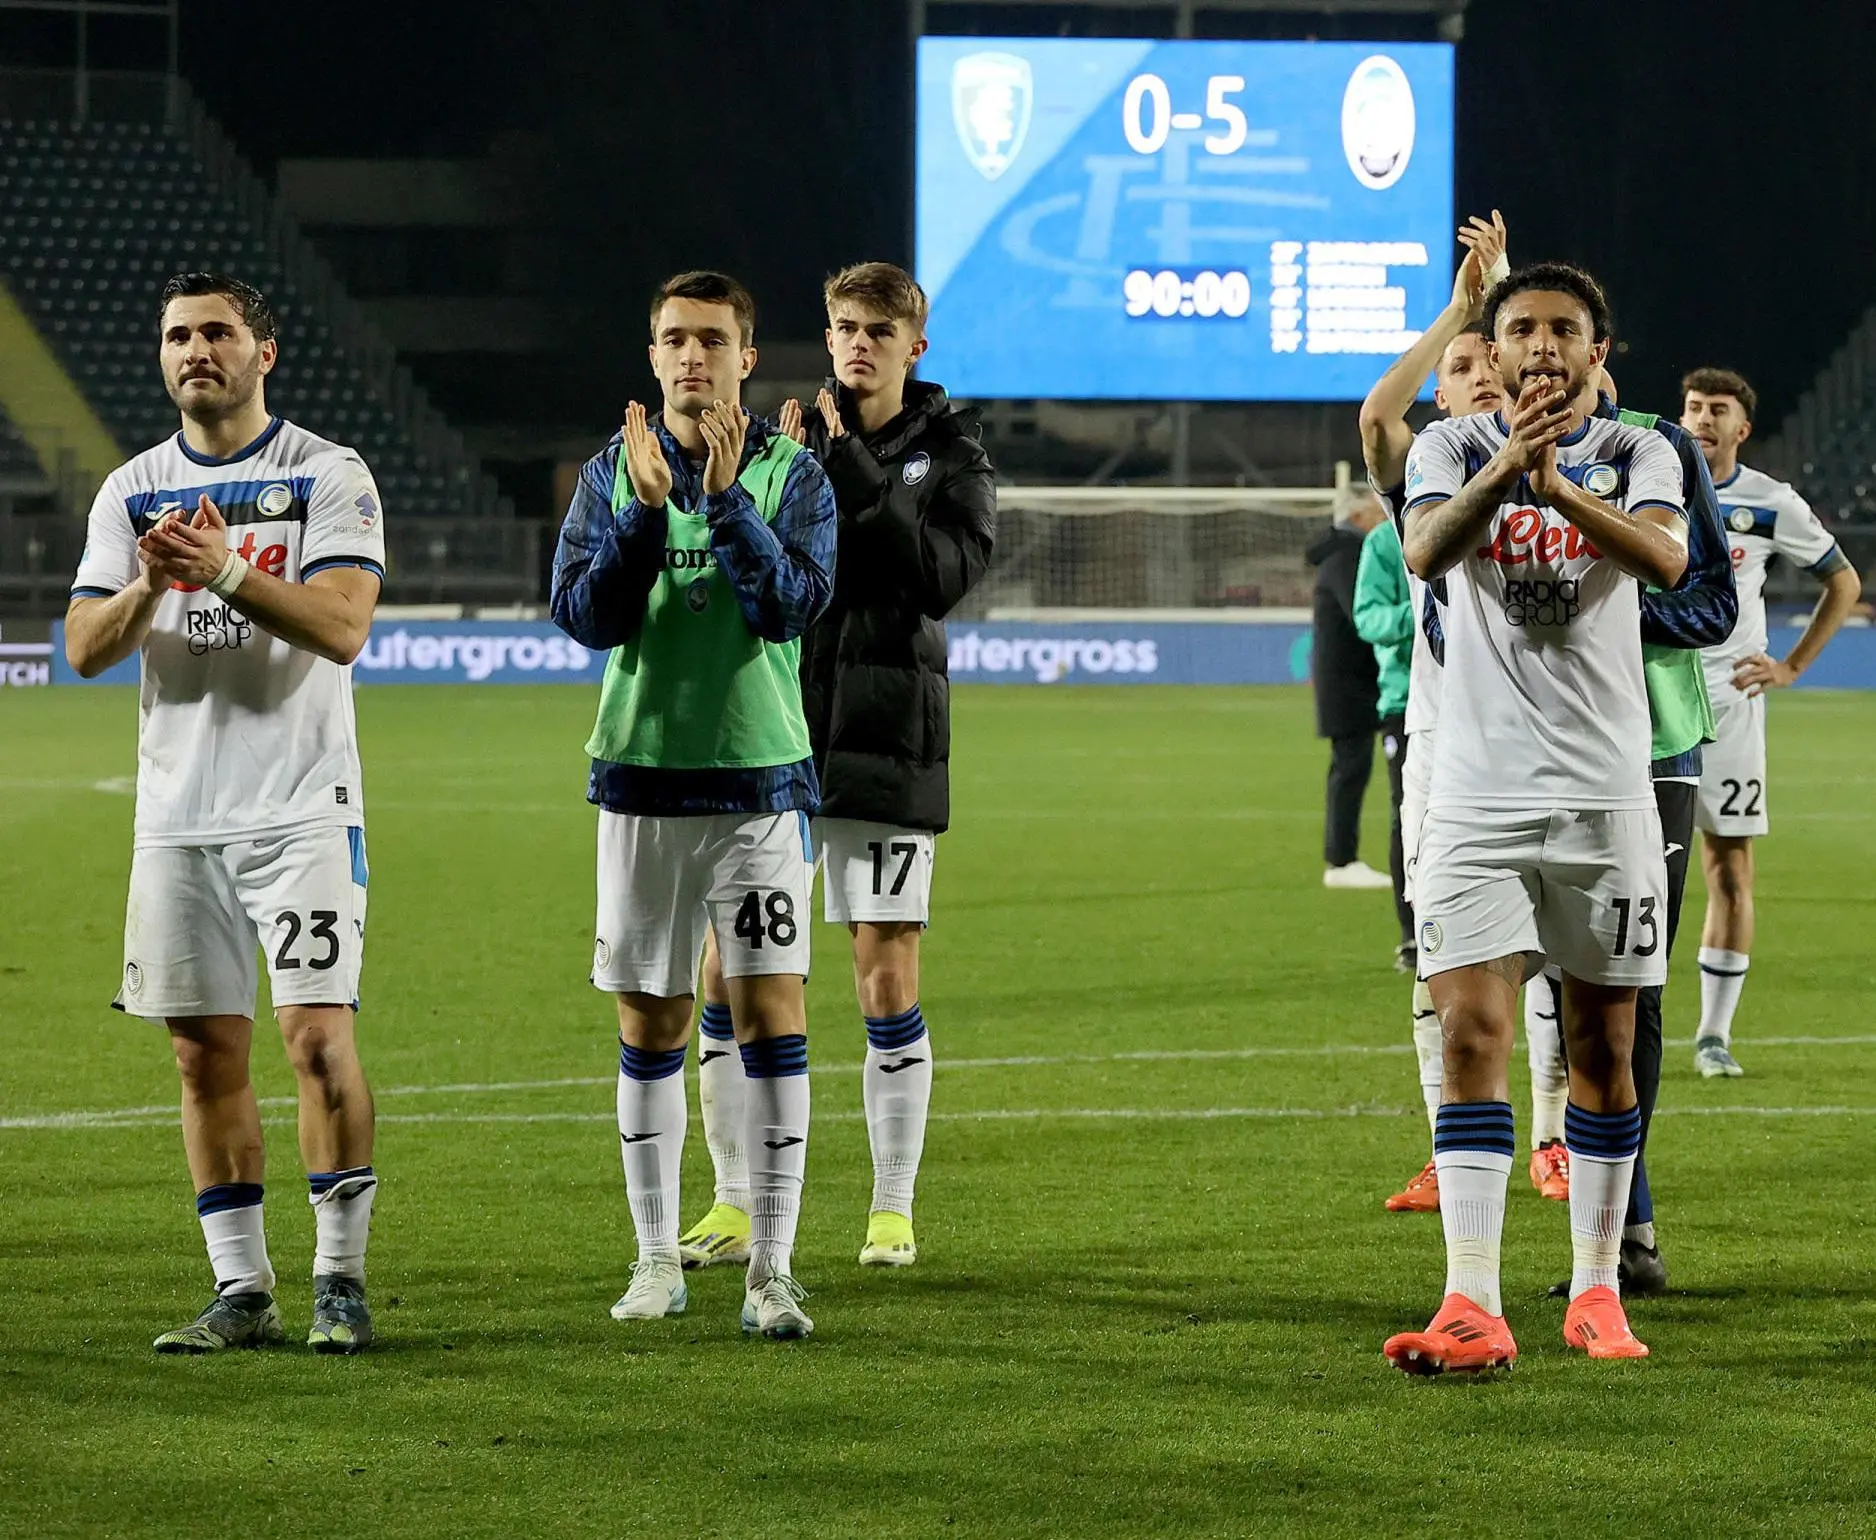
[(102, 215)]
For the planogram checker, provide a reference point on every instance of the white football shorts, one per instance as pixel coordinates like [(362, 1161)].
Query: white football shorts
[(874, 871), (662, 881), (1416, 775), (198, 914), (1732, 775), (1586, 891)]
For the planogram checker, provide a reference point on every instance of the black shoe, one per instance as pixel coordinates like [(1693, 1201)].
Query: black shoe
[(1407, 958), (1641, 1270)]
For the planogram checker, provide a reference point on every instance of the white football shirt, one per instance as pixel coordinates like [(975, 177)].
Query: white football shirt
[(1544, 704), (239, 734), (1764, 518)]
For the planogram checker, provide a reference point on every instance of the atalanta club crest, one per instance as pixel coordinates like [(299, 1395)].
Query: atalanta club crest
[(1600, 480), (992, 95), (916, 469), (697, 596), (1378, 122), (1742, 521)]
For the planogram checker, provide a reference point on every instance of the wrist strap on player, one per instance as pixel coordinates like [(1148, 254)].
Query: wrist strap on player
[(225, 582)]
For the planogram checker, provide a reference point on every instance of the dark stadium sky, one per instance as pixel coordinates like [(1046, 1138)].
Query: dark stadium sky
[(1713, 162)]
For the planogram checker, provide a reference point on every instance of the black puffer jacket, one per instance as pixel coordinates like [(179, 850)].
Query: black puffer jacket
[(1342, 665), (918, 514)]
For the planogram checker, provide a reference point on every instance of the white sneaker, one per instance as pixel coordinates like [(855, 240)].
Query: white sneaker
[(1715, 1060), (1357, 874), (657, 1290), (773, 1308)]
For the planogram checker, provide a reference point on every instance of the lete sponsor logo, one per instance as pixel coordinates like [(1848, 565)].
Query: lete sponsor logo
[(1052, 659), (1526, 538)]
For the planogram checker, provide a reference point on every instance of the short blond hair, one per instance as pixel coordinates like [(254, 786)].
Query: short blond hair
[(890, 290)]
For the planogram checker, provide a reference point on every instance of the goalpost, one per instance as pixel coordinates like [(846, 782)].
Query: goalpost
[(1154, 553)]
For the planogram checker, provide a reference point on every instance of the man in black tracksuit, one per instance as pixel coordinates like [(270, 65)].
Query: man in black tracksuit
[(917, 508), (1342, 669)]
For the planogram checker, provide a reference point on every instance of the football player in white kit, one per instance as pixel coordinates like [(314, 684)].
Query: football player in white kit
[(243, 559), (1541, 837), (1765, 519), (1458, 353)]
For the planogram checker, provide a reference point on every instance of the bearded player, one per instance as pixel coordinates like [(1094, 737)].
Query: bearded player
[(242, 560), (1766, 520), (1541, 838), (1458, 353)]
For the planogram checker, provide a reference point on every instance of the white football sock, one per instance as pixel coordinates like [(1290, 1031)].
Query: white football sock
[(1598, 1200), (341, 1220), (896, 1087), (1722, 978), (237, 1239), (1472, 1213), (652, 1115), (778, 1149), (1428, 1050), (722, 1091), (1550, 1076)]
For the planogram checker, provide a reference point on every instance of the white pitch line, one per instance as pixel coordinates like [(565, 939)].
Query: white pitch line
[(93, 1121), (139, 1116)]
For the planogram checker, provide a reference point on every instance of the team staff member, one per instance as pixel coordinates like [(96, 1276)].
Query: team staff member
[(917, 509), (1343, 673)]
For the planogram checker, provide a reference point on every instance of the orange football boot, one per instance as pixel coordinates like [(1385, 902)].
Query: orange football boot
[(1462, 1339), (1420, 1196), (1596, 1323), (1550, 1171)]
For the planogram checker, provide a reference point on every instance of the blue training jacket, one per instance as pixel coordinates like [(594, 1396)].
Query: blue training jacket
[(782, 575)]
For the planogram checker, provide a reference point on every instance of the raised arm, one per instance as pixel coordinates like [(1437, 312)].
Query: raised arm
[(782, 573), (1648, 538), (605, 562), (1446, 512), (1385, 436), (328, 614)]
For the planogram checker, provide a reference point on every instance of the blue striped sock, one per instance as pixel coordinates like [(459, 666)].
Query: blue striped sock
[(649, 1063), (226, 1195), (1474, 1144), (716, 1021), (1482, 1126), (775, 1058), (1602, 1135), (234, 1229), (1602, 1147), (889, 1034), (322, 1182)]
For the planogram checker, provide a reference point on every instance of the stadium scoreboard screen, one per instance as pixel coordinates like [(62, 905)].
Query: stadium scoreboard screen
[(1180, 220)]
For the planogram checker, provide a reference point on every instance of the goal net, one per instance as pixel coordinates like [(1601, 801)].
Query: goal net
[(1163, 550)]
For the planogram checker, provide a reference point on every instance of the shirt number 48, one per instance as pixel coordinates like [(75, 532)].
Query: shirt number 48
[(769, 917)]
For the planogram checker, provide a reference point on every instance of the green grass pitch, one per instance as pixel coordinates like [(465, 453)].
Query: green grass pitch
[(1155, 1271)]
